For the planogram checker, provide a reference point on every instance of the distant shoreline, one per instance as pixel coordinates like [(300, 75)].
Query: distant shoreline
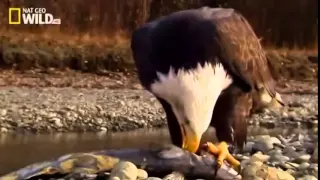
[(96, 55)]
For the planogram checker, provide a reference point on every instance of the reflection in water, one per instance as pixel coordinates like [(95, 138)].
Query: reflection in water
[(17, 151)]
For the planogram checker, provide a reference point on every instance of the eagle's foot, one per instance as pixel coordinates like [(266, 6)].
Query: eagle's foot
[(222, 153)]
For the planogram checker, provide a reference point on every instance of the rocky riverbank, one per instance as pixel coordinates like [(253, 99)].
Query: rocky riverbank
[(75, 110), (107, 108), (281, 157), (264, 157)]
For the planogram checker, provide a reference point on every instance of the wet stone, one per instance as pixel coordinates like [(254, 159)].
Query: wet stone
[(250, 171), (315, 154), (279, 158), (174, 176), (114, 178), (263, 146), (290, 171), (295, 144), (275, 140), (3, 112), (154, 178), (307, 177), (302, 158), (125, 171), (241, 157), (285, 165), (292, 154), (142, 174), (3, 130), (275, 152), (282, 139), (260, 157), (303, 166), (248, 147), (293, 165)]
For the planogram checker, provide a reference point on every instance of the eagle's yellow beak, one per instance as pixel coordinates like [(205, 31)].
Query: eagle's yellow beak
[(191, 140)]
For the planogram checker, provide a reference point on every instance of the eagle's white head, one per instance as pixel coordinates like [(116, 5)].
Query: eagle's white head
[(192, 95)]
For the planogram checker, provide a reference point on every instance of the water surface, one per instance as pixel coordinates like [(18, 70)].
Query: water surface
[(17, 151)]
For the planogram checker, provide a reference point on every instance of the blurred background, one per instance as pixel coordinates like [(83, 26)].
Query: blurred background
[(285, 23)]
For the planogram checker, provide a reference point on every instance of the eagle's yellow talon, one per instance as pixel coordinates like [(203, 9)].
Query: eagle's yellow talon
[(222, 153)]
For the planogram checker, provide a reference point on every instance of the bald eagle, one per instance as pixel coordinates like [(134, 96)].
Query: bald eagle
[(204, 66)]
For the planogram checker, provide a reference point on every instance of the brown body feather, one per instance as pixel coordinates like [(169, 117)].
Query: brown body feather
[(246, 58)]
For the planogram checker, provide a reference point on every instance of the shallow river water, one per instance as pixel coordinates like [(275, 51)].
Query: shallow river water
[(17, 151)]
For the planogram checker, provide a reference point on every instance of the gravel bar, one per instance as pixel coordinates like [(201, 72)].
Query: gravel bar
[(42, 110), (52, 109)]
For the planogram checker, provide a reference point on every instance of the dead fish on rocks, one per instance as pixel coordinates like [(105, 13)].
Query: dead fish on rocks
[(158, 162)]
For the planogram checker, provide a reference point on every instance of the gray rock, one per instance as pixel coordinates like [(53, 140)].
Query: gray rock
[(248, 146), (288, 149), (295, 144), (292, 154), (241, 157), (314, 166), (249, 172), (298, 137), (285, 165), (263, 146), (293, 165), (298, 174), (260, 157), (315, 154), (279, 158), (245, 163), (303, 166), (255, 163), (302, 158), (275, 152)]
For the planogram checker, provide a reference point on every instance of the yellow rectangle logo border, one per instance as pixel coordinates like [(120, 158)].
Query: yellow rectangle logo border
[(10, 15)]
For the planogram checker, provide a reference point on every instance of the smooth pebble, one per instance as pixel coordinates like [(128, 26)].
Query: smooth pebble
[(125, 170)]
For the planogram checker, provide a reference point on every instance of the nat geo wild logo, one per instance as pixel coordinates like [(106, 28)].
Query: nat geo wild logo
[(31, 16)]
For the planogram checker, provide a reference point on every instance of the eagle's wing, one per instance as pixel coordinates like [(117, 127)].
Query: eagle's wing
[(141, 48), (241, 51), (245, 59)]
